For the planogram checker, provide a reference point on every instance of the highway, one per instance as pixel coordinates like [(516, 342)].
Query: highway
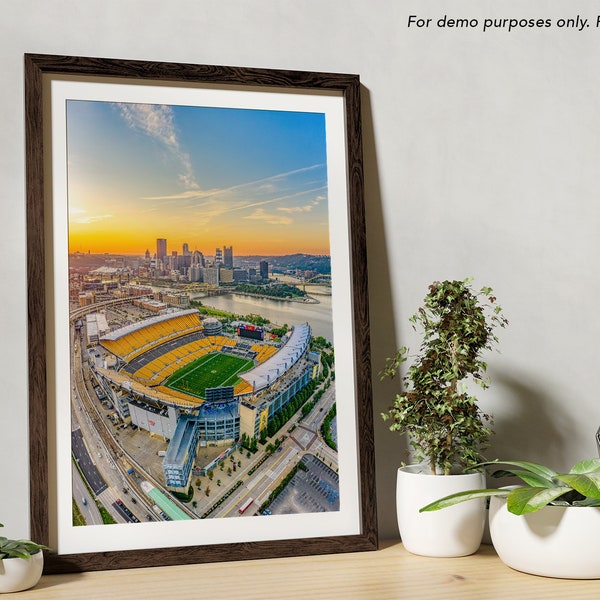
[(88, 509)]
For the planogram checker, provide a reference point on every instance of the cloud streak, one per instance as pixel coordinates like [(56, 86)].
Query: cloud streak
[(272, 219), (264, 185), (91, 219), (205, 205), (158, 122)]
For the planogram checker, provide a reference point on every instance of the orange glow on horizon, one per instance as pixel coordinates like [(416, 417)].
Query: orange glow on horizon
[(136, 244)]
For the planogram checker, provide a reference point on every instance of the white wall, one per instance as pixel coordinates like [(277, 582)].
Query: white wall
[(481, 159)]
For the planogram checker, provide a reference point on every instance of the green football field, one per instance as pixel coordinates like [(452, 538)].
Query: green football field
[(209, 371)]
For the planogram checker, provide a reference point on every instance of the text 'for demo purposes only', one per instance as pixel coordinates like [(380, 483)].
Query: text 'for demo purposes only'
[(577, 23)]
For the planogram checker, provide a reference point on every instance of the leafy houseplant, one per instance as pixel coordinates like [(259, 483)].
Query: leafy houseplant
[(441, 418), (18, 548), (543, 486), (445, 427), (549, 525), (21, 564)]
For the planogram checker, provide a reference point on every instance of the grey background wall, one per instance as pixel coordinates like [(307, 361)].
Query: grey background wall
[(481, 159)]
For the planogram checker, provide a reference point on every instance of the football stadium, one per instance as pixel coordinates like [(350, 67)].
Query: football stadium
[(182, 379)]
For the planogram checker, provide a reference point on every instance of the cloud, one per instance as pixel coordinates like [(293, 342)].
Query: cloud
[(267, 187), (264, 185), (86, 220), (155, 121), (305, 208), (247, 197), (158, 122), (272, 219), (187, 195), (296, 209)]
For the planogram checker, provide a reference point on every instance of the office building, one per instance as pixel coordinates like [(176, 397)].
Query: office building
[(228, 256), (161, 249), (264, 269)]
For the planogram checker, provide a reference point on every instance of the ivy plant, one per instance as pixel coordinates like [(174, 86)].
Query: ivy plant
[(444, 424)]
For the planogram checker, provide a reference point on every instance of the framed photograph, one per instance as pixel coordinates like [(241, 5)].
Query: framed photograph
[(200, 385)]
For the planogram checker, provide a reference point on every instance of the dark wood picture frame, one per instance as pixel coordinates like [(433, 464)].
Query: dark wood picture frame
[(38, 68)]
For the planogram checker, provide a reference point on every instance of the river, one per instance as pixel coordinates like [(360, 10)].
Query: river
[(318, 316)]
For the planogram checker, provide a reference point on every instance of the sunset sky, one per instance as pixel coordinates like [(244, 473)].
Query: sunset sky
[(209, 177)]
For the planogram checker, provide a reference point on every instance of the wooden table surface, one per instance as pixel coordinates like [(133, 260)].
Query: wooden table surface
[(390, 572)]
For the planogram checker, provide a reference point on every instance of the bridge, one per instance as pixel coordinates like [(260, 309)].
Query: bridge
[(313, 281)]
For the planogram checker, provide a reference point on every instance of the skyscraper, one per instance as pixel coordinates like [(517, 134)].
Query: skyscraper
[(161, 248), (197, 258), (264, 269), (228, 256), (218, 256)]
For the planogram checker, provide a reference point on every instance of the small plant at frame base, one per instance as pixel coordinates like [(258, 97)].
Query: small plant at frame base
[(19, 548), (543, 487), (444, 424)]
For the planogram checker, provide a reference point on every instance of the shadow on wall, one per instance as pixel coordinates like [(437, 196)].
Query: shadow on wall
[(389, 447), (531, 422)]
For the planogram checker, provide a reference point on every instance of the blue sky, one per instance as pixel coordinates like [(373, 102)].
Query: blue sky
[(206, 176)]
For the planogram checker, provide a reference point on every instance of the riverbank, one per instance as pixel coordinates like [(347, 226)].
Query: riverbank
[(319, 316), (298, 299)]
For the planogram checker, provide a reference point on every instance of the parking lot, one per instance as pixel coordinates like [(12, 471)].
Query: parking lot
[(314, 490)]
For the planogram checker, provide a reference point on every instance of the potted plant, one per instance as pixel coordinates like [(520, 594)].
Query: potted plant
[(445, 427), (548, 526), (21, 564)]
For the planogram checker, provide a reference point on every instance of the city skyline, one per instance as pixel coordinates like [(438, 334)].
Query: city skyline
[(138, 172)]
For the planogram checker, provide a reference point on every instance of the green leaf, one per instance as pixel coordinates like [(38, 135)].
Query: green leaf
[(19, 554), (453, 499), (19, 548), (531, 467), (587, 485), (591, 465), (532, 479), (526, 500)]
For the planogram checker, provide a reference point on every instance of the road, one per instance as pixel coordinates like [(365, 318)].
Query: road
[(86, 464), (89, 509)]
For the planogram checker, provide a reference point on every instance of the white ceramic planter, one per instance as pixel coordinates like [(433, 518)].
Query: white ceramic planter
[(18, 574), (556, 541), (453, 531)]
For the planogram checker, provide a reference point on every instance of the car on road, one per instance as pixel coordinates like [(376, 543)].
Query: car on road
[(84, 501)]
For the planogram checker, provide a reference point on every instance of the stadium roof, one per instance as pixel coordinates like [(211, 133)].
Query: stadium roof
[(119, 333), (268, 372)]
